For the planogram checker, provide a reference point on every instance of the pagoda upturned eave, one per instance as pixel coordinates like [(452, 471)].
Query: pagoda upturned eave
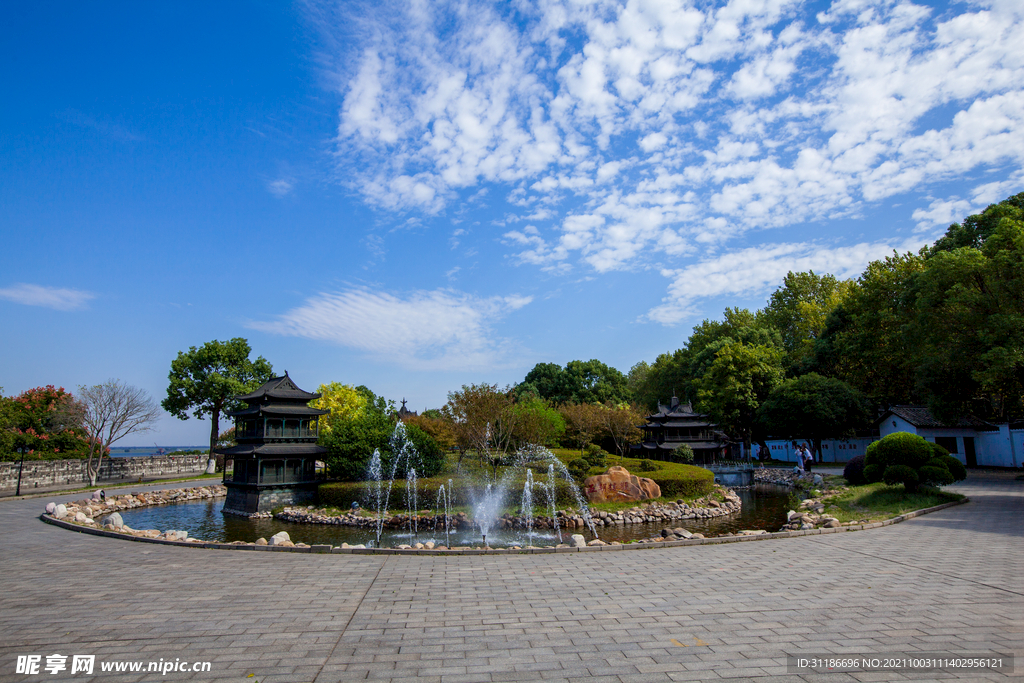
[(276, 409), (281, 388)]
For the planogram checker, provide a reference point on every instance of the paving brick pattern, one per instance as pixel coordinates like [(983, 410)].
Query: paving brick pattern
[(948, 582)]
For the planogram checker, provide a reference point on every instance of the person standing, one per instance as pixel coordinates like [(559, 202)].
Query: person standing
[(799, 459), (808, 458)]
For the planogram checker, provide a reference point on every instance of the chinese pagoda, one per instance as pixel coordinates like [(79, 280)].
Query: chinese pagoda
[(677, 424), (276, 452)]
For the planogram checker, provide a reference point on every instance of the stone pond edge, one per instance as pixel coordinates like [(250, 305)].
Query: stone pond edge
[(327, 549)]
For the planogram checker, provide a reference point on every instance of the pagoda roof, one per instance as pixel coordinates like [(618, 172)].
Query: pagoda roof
[(282, 409), (282, 449), (697, 421), (672, 445), (281, 388)]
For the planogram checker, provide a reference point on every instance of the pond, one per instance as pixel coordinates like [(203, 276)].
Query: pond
[(764, 507)]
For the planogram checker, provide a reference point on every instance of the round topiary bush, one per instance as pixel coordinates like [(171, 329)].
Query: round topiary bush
[(934, 472), (901, 474), (955, 467), (899, 448), (854, 471)]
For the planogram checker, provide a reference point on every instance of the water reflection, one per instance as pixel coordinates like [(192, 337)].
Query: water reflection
[(764, 507)]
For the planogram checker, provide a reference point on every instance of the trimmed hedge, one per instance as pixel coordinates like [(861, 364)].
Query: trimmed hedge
[(682, 481)]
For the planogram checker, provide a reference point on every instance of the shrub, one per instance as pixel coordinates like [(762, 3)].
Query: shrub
[(955, 467), (683, 453), (935, 473), (578, 468), (899, 448), (901, 474), (854, 471), (649, 466), (873, 472), (685, 481), (889, 459), (595, 455)]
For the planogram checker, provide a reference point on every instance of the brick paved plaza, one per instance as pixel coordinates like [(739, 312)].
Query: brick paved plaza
[(948, 582)]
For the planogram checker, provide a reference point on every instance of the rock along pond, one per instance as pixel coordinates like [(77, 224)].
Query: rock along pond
[(764, 507)]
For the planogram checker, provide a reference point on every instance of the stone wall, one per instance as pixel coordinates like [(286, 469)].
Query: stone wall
[(43, 473)]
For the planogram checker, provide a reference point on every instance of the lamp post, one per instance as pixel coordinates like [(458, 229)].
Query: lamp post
[(21, 450)]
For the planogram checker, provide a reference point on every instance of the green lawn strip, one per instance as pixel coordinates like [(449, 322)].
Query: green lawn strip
[(877, 502)]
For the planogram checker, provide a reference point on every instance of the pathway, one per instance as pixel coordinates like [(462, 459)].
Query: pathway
[(949, 582)]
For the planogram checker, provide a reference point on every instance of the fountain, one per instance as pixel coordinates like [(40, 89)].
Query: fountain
[(486, 502)]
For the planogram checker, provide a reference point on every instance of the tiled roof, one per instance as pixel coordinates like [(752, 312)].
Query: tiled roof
[(920, 416), (280, 388)]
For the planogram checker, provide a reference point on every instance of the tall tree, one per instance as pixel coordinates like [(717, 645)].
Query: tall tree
[(970, 326), (813, 407), (623, 424), (113, 410), (580, 381), (343, 400), (205, 379), (582, 422), (738, 381), (867, 340), (480, 415), (798, 310)]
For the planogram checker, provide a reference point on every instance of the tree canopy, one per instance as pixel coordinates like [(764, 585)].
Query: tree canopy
[(205, 379), (578, 382), (813, 407)]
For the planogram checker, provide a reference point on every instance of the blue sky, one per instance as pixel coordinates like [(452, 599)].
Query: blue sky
[(415, 196)]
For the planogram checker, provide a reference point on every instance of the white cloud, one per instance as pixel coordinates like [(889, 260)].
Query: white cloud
[(760, 269), (425, 330), (643, 128), (48, 297), (280, 187)]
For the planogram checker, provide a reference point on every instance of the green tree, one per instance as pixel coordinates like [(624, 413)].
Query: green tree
[(580, 381), (867, 340), (970, 325), (48, 422), (798, 310), (535, 422), (740, 378), (343, 400), (813, 407), (976, 229), (548, 380), (205, 379)]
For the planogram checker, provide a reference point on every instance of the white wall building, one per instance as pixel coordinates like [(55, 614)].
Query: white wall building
[(974, 442)]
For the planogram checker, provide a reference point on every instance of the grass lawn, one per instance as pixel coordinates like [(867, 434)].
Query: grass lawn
[(877, 502)]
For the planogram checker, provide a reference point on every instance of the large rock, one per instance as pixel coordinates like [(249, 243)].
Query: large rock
[(114, 520), (280, 538), (61, 511), (617, 484), (577, 541), (51, 507)]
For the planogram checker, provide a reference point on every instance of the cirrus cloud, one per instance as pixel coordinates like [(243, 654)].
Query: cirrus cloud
[(424, 330), (57, 298)]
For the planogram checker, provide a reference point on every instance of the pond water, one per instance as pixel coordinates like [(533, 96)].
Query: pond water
[(764, 507)]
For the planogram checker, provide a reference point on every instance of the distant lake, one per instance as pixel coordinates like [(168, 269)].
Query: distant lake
[(136, 451)]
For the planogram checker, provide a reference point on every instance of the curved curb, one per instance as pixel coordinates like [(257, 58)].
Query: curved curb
[(325, 549)]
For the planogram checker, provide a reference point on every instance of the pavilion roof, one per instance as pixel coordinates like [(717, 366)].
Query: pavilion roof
[(281, 388)]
